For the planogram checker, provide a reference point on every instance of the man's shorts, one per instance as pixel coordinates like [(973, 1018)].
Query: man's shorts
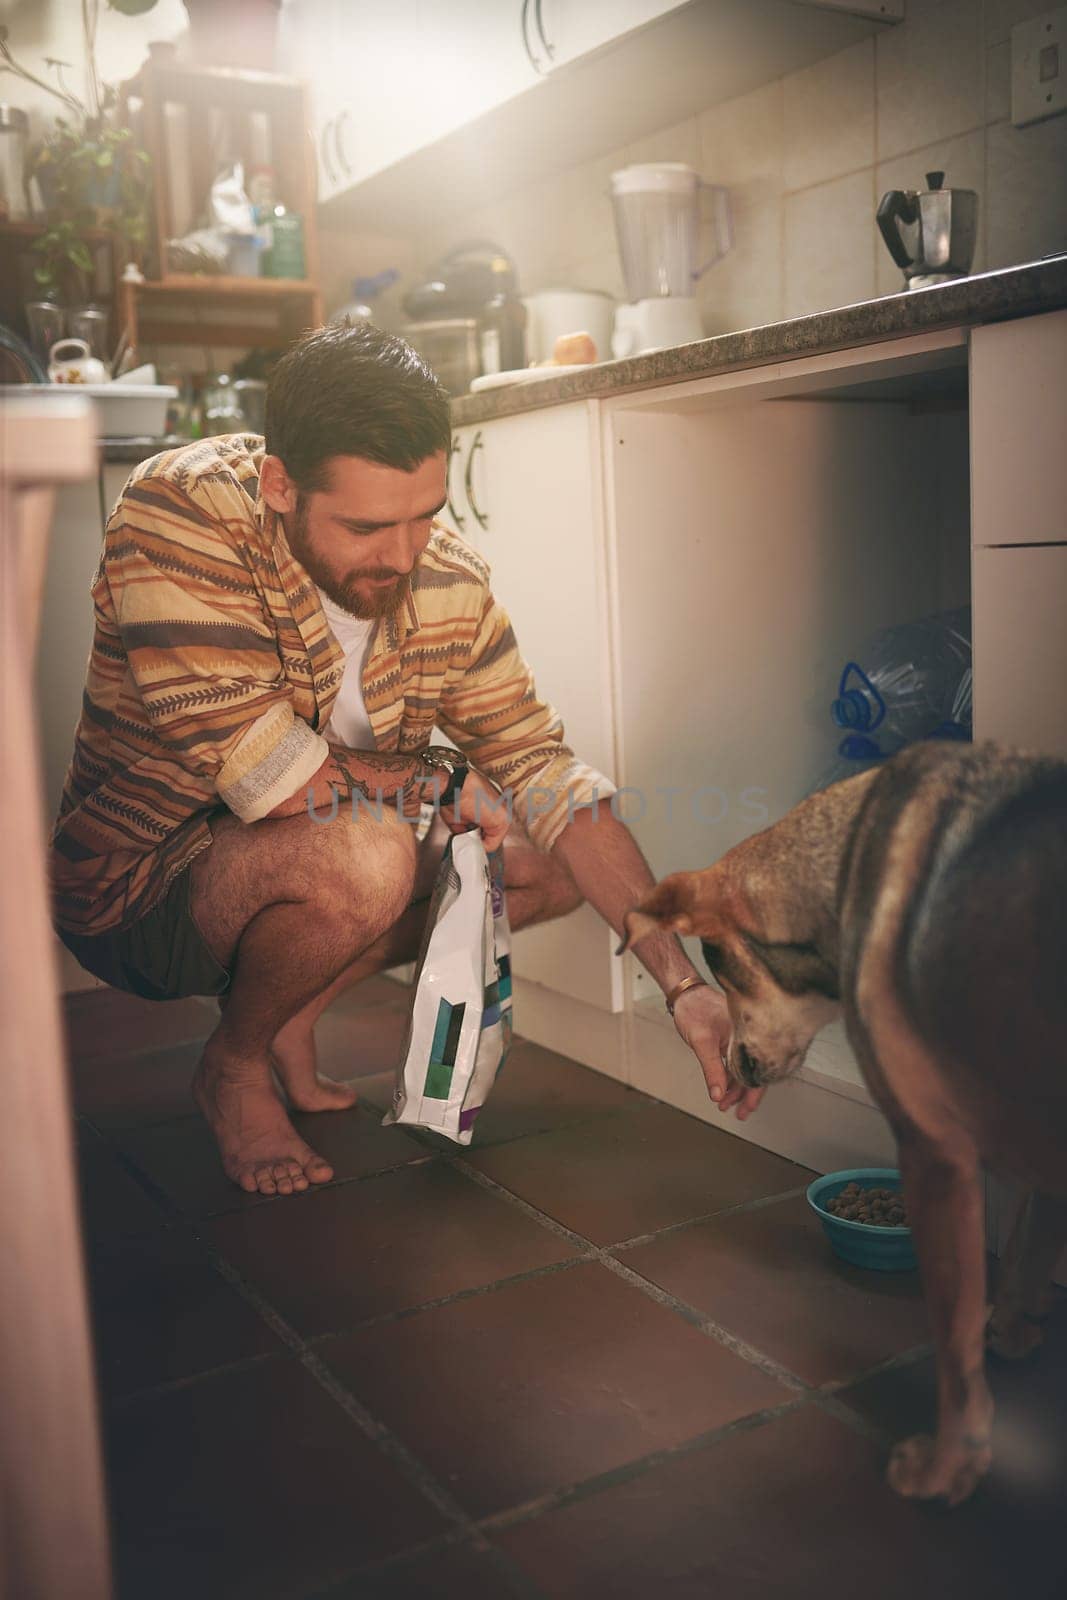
[(162, 956)]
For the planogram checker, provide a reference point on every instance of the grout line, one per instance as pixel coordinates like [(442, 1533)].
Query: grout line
[(710, 1216), (585, 1488), (118, 1403), (383, 1318), (377, 1432), (600, 1254)]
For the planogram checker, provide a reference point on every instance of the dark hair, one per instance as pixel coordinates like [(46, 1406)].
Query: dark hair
[(352, 390)]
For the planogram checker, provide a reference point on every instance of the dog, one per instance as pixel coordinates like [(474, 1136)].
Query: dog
[(926, 900)]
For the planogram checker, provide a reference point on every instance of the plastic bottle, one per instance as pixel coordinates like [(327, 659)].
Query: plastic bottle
[(914, 683)]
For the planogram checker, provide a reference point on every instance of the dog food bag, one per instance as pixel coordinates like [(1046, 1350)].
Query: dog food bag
[(460, 1025)]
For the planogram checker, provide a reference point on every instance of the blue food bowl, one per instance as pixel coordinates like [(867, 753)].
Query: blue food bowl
[(884, 1249)]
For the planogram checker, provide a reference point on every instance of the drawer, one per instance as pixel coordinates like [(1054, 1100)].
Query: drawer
[(1018, 429), (1020, 647)]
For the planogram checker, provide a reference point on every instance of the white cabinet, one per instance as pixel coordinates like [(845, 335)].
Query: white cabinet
[(525, 492), (1019, 529), (1020, 647), (559, 31), (1018, 430)]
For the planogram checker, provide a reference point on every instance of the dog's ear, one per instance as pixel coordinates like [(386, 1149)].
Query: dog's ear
[(669, 907)]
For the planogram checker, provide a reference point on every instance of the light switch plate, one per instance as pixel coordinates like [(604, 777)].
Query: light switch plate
[(1039, 67)]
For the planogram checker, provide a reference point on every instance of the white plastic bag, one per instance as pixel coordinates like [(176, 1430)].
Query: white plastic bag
[(460, 1025)]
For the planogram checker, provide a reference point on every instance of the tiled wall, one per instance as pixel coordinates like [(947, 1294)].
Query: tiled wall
[(806, 159)]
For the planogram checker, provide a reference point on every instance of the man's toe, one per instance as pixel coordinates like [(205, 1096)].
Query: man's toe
[(318, 1171)]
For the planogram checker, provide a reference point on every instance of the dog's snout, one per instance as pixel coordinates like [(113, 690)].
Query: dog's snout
[(748, 1069)]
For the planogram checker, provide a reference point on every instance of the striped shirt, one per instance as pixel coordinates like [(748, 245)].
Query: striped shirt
[(213, 670)]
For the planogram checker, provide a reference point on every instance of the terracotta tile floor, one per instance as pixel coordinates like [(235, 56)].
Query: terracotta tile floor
[(604, 1352)]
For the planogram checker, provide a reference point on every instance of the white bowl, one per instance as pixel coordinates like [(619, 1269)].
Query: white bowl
[(123, 410)]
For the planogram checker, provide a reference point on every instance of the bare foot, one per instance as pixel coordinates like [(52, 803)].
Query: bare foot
[(922, 1469), (292, 1053), (260, 1149)]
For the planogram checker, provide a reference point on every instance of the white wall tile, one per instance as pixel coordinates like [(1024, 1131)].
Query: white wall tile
[(1002, 15), (829, 117), (743, 138), (829, 245), (744, 289), (962, 161), (679, 142), (930, 75), (998, 83), (1027, 185)]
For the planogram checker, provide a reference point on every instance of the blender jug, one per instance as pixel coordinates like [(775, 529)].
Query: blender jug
[(657, 224)]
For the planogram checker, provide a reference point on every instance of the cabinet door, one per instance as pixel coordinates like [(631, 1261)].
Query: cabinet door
[(1020, 647), (473, 58), (572, 28), (1018, 428), (535, 486), (306, 28)]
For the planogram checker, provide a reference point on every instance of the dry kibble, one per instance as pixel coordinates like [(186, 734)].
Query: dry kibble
[(877, 1208)]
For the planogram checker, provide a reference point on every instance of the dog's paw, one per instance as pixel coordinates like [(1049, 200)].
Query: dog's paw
[(1013, 1338), (919, 1470)]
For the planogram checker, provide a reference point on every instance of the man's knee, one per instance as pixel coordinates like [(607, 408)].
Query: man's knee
[(549, 887), (362, 871)]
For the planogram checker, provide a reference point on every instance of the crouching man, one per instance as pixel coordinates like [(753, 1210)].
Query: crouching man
[(280, 625)]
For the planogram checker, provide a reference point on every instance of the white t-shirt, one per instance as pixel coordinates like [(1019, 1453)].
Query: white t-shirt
[(349, 723)]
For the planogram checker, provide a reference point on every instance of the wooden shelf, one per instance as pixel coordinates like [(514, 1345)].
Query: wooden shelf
[(208, 285), (33, 227)]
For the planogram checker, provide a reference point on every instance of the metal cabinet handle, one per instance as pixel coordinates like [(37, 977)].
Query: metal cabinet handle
[(483, 522), (537, 65), (339, 144), (549, 48), (461, 522)]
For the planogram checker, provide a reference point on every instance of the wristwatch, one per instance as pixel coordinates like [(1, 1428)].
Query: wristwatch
[(447, 768)]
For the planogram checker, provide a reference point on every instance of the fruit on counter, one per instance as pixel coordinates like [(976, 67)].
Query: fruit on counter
[(571, 350)]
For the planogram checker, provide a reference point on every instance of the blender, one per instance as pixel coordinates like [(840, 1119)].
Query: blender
[(657, 223)]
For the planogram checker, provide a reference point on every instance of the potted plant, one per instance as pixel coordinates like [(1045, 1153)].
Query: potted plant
[(90, 171)]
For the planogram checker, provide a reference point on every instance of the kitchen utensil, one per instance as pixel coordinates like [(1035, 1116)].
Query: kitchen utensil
[(930, 233), (78, 366), (90, 323), (657, 324), (221, 407), (450, 345), (476, 279), (13, 127), (552, 313), (120, 352), (46, 323), (252, 398), (884, 1249), (656, 208), (657, 223), (134, 412)]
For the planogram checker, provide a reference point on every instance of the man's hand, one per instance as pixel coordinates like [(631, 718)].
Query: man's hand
[(703, 1021), (479, 805)]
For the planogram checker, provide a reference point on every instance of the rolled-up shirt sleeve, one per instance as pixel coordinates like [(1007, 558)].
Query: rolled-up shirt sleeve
[(494, 714), (201, 650)]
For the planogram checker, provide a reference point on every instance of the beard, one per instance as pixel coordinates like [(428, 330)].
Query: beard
[(380, 602)]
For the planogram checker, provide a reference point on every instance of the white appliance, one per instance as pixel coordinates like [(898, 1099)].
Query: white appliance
[(657, 223), (552, 313)]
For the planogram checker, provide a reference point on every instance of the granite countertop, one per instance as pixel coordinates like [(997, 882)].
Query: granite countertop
[(985, 297)]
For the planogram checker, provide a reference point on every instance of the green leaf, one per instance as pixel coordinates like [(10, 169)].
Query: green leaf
[(105, 158), (78, 253)]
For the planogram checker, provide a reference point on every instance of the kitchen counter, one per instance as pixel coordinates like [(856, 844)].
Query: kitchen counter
[(986, 297), (134, 450)]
